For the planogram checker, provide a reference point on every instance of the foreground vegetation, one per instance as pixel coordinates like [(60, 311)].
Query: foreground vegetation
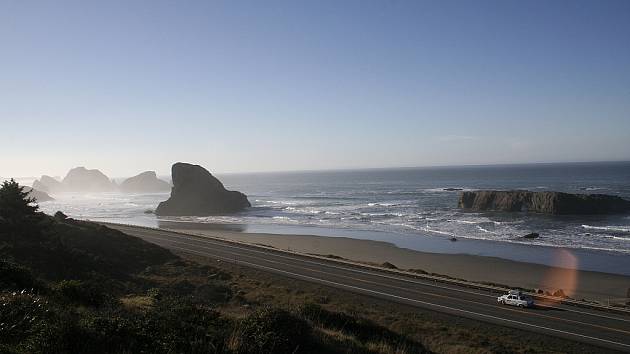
[(69, 286)]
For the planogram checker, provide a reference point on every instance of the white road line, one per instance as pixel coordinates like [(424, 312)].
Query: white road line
[(416, 291), (247, 248), (301, 259), (408, 299)]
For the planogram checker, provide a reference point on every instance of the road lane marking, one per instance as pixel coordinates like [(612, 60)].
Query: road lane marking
[(416, 291), (408, 299), (247, 248), (300, 258)]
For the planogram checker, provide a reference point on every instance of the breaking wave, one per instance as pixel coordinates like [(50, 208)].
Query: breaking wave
[(608, 228)]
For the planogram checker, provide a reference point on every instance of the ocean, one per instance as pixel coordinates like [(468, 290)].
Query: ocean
[(398, 204)]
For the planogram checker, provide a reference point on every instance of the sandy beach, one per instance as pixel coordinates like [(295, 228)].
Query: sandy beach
[(575, 283)]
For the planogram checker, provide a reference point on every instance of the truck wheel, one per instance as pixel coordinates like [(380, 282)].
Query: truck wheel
[(520, 305)]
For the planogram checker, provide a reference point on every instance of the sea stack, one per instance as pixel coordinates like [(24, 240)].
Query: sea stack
[(48, 184), (554, 203), (80, 179), (146, 182), (196, 192), (39, 196)]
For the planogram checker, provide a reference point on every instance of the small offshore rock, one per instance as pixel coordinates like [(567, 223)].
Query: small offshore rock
[(532, 235)]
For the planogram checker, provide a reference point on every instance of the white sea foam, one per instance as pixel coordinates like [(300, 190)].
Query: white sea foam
[(382, 204), (608, 228), (484, 230), (469, 222), (276, 202), (440, 232), (285, 218), (613, 237)]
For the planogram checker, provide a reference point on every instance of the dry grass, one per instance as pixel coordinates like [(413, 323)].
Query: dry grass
[(138, 303), (438, 332)]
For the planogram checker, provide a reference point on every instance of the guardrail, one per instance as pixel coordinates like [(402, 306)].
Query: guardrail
[(432, 277)]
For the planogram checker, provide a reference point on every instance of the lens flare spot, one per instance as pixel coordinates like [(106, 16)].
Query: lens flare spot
[(562, 278)]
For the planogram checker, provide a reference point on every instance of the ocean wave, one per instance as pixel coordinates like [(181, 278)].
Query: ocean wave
[(324, 197), (484, 230), (608, 228), (429, 229), (285, 218), (465, 221), (303, 210), (276, 202), (592, 188), (613, 237), (390, 204), (389, 215)]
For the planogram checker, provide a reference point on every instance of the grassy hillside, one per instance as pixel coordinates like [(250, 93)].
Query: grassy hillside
[(69, 286)]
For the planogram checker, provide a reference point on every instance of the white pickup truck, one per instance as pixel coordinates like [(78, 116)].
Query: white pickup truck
[(516, 298)]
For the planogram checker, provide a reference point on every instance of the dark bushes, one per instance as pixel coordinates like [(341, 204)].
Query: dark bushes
[(88, 293), (271, 330), (185, 327), (16, 277), (364, 330)]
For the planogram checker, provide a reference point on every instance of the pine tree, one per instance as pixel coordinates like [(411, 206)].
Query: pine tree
[(15, 204)]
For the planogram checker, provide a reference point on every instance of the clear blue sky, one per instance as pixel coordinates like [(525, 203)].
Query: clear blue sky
[(126, 86)]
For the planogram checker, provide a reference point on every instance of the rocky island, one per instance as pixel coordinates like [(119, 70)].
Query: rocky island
[(197, 192), (146, 182), (554, 203), (78, 179), (48, 184), (39, 196)]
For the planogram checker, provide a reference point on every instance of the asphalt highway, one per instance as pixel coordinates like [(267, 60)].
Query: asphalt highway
[(600, 328)]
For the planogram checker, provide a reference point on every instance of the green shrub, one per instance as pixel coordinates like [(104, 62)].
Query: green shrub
[(89, 293), (271, 330), (154, 293), (16, 277), (181, 326), (112, 333), (22, 316)]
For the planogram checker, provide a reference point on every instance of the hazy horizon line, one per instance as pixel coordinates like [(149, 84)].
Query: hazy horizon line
[(428, 166), (353, 168)]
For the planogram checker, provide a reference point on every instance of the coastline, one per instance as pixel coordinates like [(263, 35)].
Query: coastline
[(591, 285), (603, 261)]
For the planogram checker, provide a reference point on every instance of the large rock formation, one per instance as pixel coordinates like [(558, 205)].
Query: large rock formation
[(78, 179), (146, 182), (196, 192), (48, 184), (38, 195), (556, 203), (81, 179)]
